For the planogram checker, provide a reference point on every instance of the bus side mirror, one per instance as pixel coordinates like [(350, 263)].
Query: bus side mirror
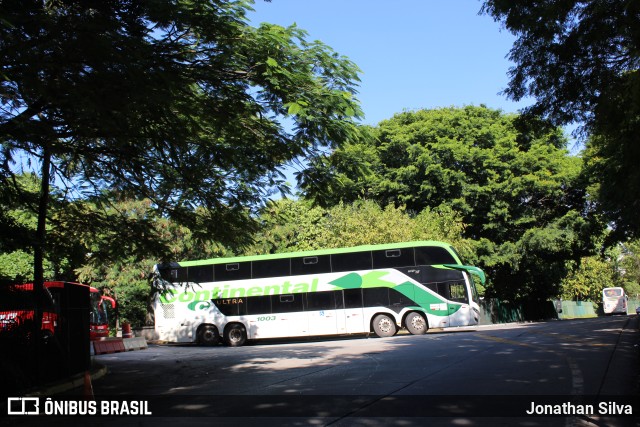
[(111, 301)]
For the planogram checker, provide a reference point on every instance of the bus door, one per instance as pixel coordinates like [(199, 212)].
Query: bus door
[(322, 313), (351, 314), (460, 311), (287, 317)]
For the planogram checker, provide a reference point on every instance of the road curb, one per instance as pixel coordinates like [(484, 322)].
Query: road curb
[(625, 354), (117, 345), (76, 381)]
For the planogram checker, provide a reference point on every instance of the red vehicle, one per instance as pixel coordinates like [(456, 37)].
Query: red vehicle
[(16, 309), (17, 303), (99, 319)]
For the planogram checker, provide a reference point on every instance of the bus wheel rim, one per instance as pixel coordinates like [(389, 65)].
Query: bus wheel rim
[(385, 324), (417, 322)]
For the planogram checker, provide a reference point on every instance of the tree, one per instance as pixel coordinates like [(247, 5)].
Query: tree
[(287, 226), (297, 226), (611, 159), (19, 221), (511, 181), (627, 258), (586, 282), (17, 267), (122, 268), (579, 61), (181, 103)]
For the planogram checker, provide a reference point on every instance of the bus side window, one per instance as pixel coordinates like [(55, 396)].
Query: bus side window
[(458, 292), (351, 261), (432, 286), (258, 305), (270, 268), (310, 265), (339, 299), (242, 306), (286, 303), (398, 299), (321, 301), (353, 298), (175, 275), (228, 307), (376, 297), (232, 271), (433, 255), (200, 274), (443, 290), (393, 258)]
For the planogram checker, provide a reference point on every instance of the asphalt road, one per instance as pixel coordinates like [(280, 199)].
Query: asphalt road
[(475, 376)]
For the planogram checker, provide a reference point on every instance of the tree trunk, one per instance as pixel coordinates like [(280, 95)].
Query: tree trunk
[(38, 259)]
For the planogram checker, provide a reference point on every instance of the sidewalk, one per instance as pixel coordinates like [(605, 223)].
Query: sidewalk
[(625, 354), (83, 380), (77, 381)]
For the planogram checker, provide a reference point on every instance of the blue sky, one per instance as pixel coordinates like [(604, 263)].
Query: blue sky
[(413, 54)]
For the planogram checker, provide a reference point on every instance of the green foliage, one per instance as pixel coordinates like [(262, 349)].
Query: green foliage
[(18, 221), (17, 267), (568, 52), (365, 222), (128, 282), (579, 60), (612, 156), (472, 159), (586, 282), (509, 179), (628, 263), (122, 267), (296, 226), (18, 196), (289, 226), (180, 103)]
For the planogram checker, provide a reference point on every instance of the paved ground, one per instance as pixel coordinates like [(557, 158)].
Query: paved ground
[(466, 376)]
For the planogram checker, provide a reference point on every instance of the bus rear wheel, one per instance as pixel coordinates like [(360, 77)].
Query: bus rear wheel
[(416, 324), (208, 335), (235, 335), (384, 326)]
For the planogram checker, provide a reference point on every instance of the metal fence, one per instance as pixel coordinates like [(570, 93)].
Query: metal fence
[(495, 311)]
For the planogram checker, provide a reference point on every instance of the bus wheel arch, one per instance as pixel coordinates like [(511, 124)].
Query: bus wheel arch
[(384, 325), (207, 334), (235, 334), (416, 323)]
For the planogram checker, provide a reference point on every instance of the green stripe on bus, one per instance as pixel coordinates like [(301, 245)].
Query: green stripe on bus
[(425, 299), (285, 255)]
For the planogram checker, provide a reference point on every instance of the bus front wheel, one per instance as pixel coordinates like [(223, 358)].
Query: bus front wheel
[(235, 335), (416, 324), (208, 335), (384, 326)]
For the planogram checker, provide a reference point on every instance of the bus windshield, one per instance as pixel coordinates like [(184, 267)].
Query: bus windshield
[(614, 301), (613, 293), (99, 315)]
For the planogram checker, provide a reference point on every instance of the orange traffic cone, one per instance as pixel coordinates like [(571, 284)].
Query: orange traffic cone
[(88, 388), (126, 330)]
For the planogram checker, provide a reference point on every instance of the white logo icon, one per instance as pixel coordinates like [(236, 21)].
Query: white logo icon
[(23, 406)]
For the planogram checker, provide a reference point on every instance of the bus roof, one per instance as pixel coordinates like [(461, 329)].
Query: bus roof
[(283, 255)]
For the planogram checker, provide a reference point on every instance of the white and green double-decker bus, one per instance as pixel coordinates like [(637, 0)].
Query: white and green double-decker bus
[(364, 289)]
